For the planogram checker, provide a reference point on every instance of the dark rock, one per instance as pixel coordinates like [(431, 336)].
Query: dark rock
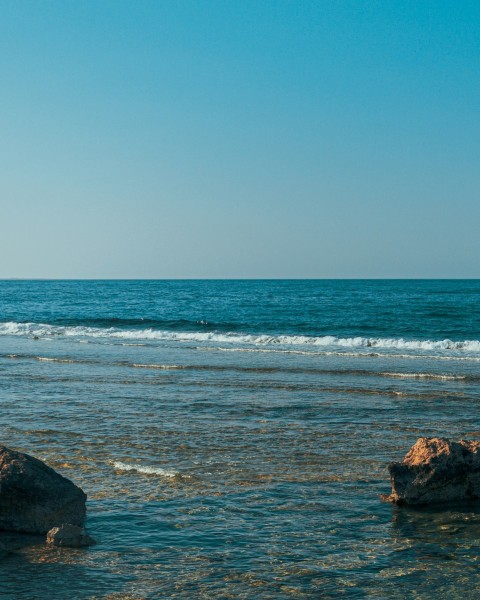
[(69, 536), (21, 542), (436, 471), (33, 497)]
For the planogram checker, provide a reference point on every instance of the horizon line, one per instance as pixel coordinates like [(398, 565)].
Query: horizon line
[(239, 278)]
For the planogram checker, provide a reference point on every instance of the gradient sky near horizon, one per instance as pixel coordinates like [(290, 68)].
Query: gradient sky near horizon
[(252, 138)]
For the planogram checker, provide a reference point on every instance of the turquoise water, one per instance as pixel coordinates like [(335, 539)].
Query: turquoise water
[(233, 436)]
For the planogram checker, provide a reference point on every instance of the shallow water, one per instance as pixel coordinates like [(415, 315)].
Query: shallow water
[(233, 437)]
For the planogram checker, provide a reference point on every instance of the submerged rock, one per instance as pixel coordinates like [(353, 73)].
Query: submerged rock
[(69, 536), (436, 471), (33, 497)]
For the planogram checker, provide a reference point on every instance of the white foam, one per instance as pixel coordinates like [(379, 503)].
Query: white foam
[(56, 360), (162, 367), (424, 376), (144, 469), (49, 331)]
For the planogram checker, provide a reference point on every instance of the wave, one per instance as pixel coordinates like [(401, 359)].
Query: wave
[(161, 367), (344, 353), (257, 369), (427, 376), (137, 323), (52, 359), (120, 466), (40, 330), (56, 360)]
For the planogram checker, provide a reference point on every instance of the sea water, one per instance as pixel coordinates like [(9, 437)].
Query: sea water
[(233, 436)]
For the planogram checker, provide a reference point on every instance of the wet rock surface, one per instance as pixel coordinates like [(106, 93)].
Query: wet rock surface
[(69, 536), (436, 471), (33, 497)]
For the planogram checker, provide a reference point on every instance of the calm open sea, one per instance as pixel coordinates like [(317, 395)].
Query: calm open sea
[(233, 436)]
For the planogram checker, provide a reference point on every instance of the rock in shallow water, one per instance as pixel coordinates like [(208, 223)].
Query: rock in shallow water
[(436, 471), (33, 497), (69, 536)]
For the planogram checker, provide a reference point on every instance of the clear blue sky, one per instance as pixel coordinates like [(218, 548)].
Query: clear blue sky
[(240, 138)]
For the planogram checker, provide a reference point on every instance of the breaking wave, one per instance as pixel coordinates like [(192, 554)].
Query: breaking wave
[(40, 330)]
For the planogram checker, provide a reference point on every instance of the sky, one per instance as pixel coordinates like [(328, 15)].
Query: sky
[(239, 139)]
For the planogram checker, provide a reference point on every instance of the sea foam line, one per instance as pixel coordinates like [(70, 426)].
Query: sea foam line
[(121, 466), (48, 331), (425, 376), (161, 367), (56, 360)]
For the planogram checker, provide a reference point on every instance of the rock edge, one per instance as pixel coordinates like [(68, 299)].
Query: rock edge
[(69, 536)]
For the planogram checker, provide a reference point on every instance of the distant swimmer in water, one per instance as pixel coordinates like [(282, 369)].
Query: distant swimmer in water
[(35, 337)]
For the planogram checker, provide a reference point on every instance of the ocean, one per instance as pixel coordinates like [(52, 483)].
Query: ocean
[(233, 436)]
